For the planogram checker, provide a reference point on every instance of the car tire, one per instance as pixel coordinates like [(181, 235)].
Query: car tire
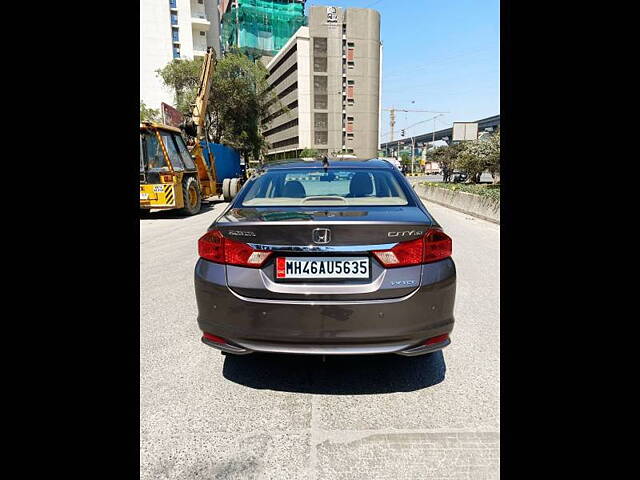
[(226, 193), (191, 196), (234, 187)]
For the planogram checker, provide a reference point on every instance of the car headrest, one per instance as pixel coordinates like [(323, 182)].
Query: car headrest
[(294, 189), (360, 185)]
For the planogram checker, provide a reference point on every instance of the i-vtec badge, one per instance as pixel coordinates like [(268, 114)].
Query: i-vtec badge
[(405, 233), (241, 233), (405, 283)]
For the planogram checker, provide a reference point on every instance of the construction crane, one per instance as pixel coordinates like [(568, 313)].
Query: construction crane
[(171, 176), (392, 116), (196, 125)]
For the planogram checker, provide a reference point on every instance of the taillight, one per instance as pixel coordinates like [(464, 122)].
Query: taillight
[(434, 340), (213, 338), (216, 248), (433, 246), (437, 246)]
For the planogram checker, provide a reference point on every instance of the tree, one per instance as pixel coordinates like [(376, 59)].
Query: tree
[(494, 159), (446, 158), (309, 153), (238, 101), (148, 114), (480, 155), (183, 77)]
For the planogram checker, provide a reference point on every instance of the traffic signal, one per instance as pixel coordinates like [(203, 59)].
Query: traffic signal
[(402, 133)]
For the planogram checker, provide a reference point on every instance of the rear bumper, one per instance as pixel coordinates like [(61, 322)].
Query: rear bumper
[(161, 195), (397, 325), (327, 349)]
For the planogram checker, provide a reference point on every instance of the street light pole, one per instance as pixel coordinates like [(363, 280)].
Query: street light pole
[(413, 150), (433, 138)]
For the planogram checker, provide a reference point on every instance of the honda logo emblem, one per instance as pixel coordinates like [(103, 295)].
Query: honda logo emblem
[(321, 235)]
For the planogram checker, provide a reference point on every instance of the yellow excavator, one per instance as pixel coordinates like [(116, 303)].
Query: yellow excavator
[(172, 176)]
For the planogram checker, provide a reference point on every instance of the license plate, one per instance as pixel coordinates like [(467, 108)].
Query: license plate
[(322, 267), (144, 196)]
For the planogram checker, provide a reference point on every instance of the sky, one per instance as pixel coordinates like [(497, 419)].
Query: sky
[(439, 56)]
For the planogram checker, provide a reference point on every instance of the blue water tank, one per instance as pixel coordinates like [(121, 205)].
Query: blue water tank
[(227, 160)]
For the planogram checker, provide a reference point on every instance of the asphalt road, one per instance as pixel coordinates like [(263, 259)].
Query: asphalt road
[(204, 415)]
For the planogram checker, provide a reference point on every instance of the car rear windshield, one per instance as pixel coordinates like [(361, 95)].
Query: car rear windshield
[(320, 187)]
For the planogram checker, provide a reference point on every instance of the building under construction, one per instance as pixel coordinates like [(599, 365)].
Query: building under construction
[(260, 27)]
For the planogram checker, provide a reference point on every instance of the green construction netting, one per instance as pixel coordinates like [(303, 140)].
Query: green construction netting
[(265, 26)]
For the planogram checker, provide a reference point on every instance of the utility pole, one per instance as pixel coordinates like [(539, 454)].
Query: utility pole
[(392, 121), (413, 149), (433, 138)]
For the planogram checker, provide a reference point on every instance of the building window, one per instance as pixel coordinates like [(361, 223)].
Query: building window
[(350, 92), (319, 84), (200, 2), (172, 3), (281, 128), (321, 138), (349, 125), (176, 52), (174, 19), (320, 101), (284, 143), (174, 35), (320, 121), (319, 47), (350, 54), (319, 64), (202, 34)]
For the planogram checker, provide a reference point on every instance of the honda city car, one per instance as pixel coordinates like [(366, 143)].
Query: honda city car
[(326, 257)]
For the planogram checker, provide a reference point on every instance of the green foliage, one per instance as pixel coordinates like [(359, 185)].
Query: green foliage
[(238, 100), (405, 159), (148, 114), (480, 155), (446, 157), (309, 152), (183, 77), (491, 191), (472, 157)]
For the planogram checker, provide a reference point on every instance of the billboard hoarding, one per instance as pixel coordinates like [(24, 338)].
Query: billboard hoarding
[(171, 116), (465, 131)]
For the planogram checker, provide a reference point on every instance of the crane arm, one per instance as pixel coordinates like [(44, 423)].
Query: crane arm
[(199, 112)]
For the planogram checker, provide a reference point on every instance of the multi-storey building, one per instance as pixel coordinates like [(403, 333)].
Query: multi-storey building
[(259, 27), (173, 29), (328, 76)]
